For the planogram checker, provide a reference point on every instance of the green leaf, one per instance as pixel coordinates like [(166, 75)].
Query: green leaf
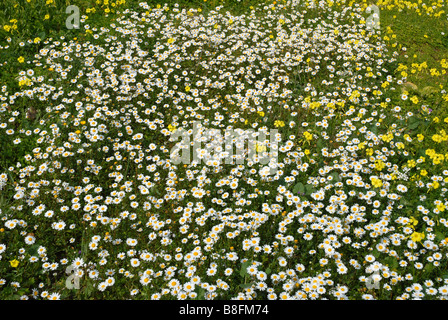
[(299, 187), (336, 177), (246, 285), (375, 253), (428, 268), (244, 266), (439, 236), (413, 123), (200, 292), (33, 249), (391, 262), (88, 289), (42, 35), (309, 189)]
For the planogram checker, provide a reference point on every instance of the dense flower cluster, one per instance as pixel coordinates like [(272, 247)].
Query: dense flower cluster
[(100, 192)]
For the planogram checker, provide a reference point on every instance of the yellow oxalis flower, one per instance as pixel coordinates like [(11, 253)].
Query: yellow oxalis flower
[(413, 221), (417, 236)]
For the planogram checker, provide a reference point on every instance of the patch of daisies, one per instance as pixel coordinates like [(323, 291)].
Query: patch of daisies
[(101, 191)]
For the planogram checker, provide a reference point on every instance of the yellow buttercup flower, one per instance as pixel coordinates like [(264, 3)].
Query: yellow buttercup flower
[(377, 183), (24, 82), (308, 136), (388, 137), (379, 165), (260, 147), (411, 163), (279, 123), (14, 263)]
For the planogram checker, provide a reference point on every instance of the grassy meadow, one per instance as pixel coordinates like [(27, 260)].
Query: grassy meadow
[(343, 196)]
